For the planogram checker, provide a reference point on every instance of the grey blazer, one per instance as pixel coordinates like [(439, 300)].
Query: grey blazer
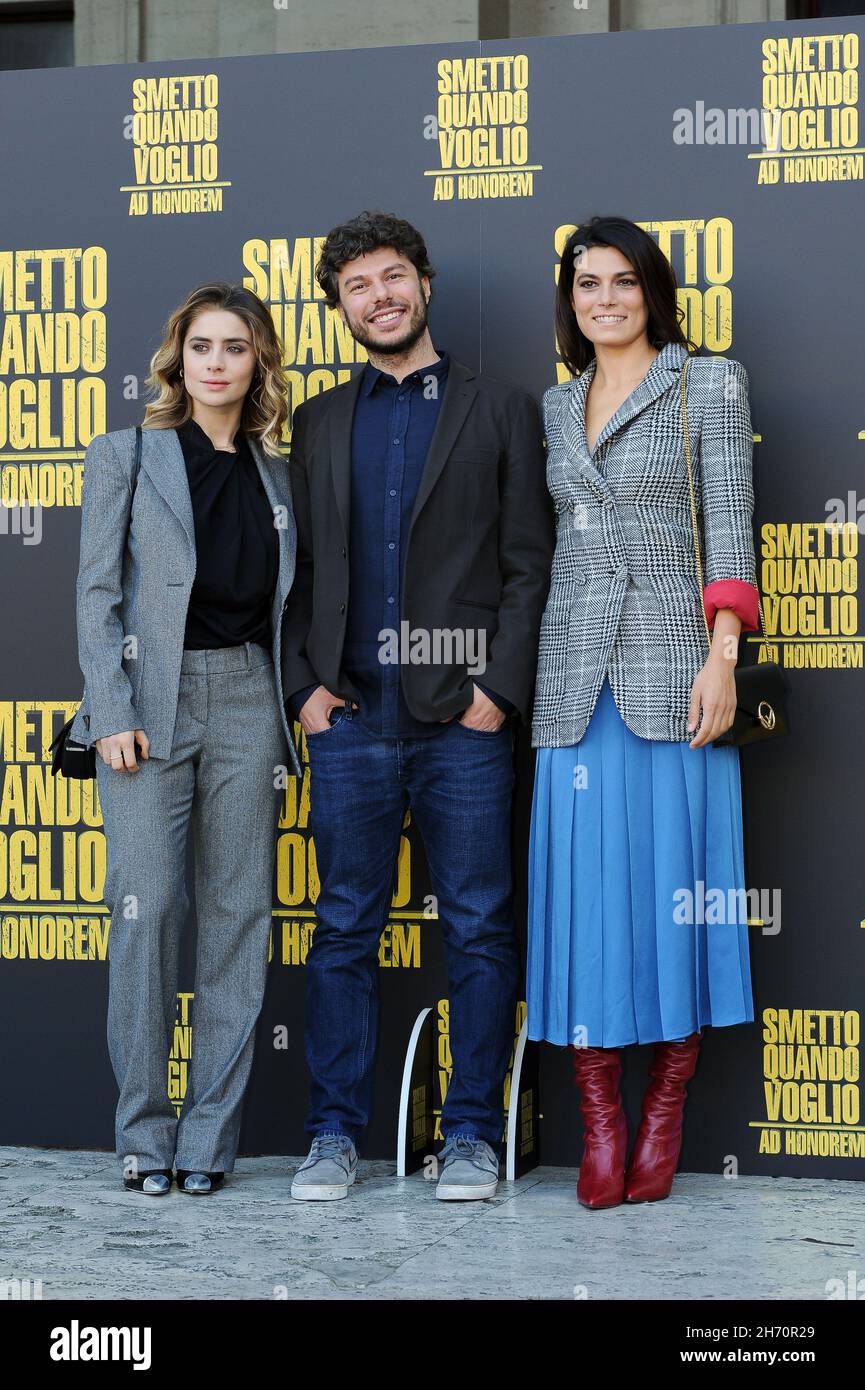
[(624, 600), (137, 566)]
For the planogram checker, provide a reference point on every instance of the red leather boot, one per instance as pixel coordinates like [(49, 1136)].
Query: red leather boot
[(659, 1138), (598, 1071)]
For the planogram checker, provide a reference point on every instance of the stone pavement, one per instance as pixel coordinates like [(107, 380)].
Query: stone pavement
[(66, 1220)]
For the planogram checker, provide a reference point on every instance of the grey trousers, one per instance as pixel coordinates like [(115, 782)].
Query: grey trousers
[(221, 777)]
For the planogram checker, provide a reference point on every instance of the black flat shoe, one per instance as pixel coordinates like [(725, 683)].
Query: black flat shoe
[(198, 1184), (155, 1183)]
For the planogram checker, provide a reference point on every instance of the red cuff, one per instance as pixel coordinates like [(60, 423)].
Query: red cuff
[(743, 598)]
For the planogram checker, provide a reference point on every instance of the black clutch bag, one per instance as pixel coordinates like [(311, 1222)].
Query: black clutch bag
[(761, 710), (69, 757), (761, 704)]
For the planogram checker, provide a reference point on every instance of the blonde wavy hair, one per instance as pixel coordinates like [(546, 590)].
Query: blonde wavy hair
[(265, 408)]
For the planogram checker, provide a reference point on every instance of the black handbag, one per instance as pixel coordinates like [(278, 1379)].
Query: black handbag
[(69, 757), (761, 706)]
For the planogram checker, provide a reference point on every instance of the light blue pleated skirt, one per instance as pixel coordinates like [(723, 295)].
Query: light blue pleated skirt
[(624, 944)]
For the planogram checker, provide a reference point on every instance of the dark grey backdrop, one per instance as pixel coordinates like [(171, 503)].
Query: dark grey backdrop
[(306, 140)]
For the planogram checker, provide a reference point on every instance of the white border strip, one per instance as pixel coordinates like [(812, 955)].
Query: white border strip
[(514, 1106), (405, 1090)]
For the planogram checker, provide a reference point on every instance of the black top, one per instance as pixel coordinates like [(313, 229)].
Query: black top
[(236, 544)]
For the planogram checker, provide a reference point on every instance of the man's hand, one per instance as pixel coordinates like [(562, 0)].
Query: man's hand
[(118, 750), (315, 714), (483, 713)]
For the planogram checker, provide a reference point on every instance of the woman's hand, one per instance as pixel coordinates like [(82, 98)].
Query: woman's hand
[(715, 685), (714, 689), (118, 750)]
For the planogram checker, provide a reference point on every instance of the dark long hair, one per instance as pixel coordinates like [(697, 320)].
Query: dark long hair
[(652, 269)]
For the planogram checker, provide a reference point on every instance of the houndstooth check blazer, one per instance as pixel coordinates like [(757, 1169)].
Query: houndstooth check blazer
[(624, 598)]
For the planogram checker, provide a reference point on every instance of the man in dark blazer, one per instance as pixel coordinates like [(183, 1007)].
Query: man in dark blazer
[(425, 534)]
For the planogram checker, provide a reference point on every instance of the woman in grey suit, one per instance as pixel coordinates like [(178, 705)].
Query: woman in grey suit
[(637, 814), (187, 558)]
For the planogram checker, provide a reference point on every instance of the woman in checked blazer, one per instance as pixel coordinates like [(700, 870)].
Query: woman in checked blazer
[(186, 564), (636, 812)]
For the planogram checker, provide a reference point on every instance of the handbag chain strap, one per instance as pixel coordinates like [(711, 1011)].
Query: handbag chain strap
[(694, 512)]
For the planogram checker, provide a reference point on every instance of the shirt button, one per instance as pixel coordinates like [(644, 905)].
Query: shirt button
[(390, 598), (390, 545), (343, 552), (393, 492), (622, 572), (396, 441), (342, 608)]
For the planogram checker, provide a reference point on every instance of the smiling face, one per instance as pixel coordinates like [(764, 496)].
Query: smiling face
[(608, 298), (383, 301), (219, 359)]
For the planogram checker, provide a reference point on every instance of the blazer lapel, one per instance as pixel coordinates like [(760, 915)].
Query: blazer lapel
[(277, 497), (460, 391), (339, 422), (163, 462), (574, 430), (162, 459), (663, 371), (665, 368)]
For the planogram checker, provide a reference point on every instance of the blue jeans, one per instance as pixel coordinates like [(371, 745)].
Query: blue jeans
[(459, 784)]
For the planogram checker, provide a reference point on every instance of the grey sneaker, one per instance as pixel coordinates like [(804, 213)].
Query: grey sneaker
[(328, 1172), (470, 1171)]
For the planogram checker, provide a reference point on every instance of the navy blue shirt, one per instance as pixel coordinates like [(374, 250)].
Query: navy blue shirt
[(391, 432)]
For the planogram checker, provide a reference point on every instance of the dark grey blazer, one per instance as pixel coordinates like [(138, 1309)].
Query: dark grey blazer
[(137, 566), (478, 551)]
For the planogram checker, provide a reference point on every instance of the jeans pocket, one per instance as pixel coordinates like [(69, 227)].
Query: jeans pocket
[(337, 717), (481, 733)]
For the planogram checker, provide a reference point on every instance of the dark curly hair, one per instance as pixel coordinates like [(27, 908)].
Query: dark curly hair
[(369, 231)]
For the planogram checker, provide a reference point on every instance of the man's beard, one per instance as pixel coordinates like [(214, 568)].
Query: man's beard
[(393, 347)]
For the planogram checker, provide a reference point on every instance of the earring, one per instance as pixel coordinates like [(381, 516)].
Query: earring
[(181, 373)]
